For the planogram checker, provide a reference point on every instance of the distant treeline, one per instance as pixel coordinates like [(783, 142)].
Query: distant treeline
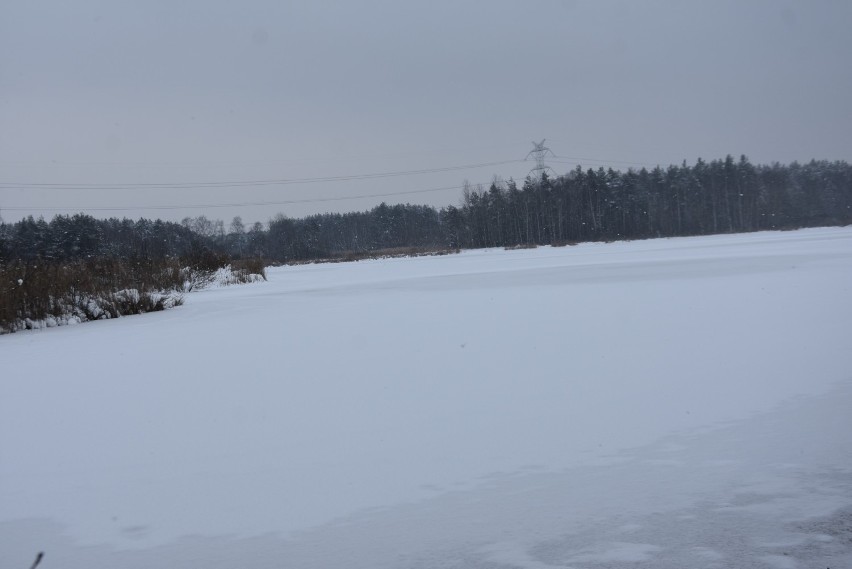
[(79, 236), (722, 196)]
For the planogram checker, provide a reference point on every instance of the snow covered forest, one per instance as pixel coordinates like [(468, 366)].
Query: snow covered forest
[(721, 196)]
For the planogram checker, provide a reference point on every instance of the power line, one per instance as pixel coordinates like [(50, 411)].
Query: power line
[(575, 159), (235, 204), (180, 185), (246, 183), (249, 163)]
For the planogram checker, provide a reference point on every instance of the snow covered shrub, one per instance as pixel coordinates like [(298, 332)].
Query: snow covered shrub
[(195, 278), (200, 276), (250, 267), (41, 294), (205, 269), (132, 301)]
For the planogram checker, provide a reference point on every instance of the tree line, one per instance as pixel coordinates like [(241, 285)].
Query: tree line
[(721, 196)]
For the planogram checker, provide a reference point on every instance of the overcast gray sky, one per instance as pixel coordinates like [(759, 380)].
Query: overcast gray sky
[(123, 94)]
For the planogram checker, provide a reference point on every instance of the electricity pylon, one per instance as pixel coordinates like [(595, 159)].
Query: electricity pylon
[(539, 152)]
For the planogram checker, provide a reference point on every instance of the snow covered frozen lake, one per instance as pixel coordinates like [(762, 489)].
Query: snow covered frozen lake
[(665, 403)]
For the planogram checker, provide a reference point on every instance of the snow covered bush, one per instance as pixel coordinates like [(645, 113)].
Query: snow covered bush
[(43, 295)]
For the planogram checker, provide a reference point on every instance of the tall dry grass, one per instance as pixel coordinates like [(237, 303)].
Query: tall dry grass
[(37, 294)]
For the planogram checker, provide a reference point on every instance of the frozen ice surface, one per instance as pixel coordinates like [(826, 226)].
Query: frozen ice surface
[(662, 403)]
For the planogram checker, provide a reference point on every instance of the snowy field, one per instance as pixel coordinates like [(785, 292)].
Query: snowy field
[(665, 403)]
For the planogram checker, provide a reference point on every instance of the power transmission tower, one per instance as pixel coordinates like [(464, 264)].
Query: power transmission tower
[(539, 153)]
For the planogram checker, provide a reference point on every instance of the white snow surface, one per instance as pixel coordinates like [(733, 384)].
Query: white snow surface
[(664, 403)]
